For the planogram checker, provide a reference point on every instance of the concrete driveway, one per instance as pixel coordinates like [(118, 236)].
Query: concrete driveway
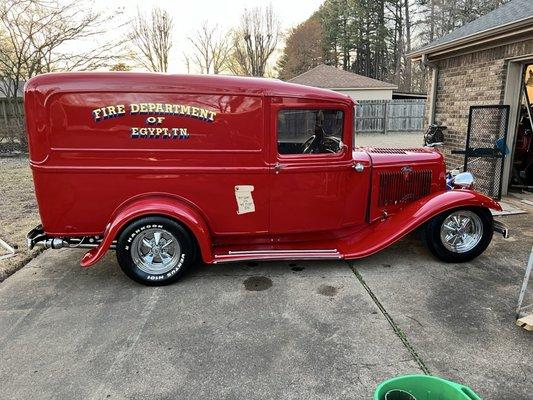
[(305, 330)]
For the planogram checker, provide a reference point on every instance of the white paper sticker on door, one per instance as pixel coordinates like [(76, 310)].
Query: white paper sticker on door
[(245, 201)]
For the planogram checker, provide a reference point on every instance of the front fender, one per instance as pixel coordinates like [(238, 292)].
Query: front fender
[(381, 234), (153, 204)]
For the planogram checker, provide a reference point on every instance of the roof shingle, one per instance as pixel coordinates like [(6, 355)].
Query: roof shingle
[(514, 11), (329, 77)]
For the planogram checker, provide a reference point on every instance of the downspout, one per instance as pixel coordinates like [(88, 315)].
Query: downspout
[(434, 77)]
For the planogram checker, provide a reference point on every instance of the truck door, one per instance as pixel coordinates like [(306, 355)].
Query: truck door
[(314, 183)]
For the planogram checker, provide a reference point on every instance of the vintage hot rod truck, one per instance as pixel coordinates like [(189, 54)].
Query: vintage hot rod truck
[(169, 170)]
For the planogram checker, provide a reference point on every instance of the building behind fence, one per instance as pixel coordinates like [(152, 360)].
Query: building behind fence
[(389, 116)]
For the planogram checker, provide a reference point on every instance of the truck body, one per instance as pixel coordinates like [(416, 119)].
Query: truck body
[(250, 168)]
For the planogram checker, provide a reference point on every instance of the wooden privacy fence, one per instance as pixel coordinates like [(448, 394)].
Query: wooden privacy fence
[(12, 134), (10, 109), (384, 116)]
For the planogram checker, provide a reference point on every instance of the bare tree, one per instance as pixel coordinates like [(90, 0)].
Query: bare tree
[(121, 66), (187, 60), (220, 53), (211, 50), (408, 73), (33, 35), (152, 40), (254, 41)]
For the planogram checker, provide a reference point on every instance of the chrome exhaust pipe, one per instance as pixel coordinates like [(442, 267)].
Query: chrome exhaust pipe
[(52, 243), (501, 228), (37, 237)]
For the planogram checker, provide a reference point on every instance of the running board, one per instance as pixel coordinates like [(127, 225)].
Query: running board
[(243, 255)]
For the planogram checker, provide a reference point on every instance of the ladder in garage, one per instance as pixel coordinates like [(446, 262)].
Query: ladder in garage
[(525, 320)]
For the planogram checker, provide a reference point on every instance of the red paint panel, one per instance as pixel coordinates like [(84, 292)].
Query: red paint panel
[(94, 166)]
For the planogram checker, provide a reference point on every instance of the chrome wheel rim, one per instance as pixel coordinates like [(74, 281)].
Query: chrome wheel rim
[(461, 231), (155, 251)]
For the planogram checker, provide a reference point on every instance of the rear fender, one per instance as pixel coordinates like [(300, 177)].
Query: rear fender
[(154, 204), (381, 234)]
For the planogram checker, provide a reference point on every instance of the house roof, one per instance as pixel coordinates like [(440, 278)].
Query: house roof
[(329, 77), (515, 14)]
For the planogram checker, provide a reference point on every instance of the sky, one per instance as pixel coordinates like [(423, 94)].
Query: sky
[(189, 15)]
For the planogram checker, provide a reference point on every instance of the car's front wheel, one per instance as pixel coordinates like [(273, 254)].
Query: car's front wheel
[(459, 235), (155, 250)]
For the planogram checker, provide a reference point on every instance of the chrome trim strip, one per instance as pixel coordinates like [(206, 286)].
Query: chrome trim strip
[(226, 258), (256, 252)]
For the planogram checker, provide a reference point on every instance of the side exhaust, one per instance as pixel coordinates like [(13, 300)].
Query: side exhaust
[(53, 243), (500, 227), (37, 237)]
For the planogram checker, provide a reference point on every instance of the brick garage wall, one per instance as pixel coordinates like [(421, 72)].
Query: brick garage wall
[(476, 78)]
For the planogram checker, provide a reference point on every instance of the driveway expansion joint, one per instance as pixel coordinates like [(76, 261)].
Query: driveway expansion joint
[(395, 327)]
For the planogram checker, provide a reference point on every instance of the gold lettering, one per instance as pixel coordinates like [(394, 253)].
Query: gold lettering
[(117, 110), (185, 110), (203, 113), (96, 114), (111, 111)]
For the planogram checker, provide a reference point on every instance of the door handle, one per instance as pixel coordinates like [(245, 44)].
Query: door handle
[(358, 167), (277, 167)]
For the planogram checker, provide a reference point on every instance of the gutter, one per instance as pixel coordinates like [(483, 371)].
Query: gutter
[(471, 39), (433, 93), (366, 88)]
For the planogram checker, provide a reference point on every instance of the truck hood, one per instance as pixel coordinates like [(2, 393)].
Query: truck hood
[(381, 156)]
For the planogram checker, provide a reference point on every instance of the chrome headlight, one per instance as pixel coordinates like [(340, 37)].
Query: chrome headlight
[(464, 180)]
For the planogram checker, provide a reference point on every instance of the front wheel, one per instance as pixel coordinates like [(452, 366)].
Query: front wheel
[(459, 235), (155, 250)]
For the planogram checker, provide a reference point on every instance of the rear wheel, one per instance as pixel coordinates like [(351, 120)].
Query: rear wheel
[(459, 235), (155, 251)]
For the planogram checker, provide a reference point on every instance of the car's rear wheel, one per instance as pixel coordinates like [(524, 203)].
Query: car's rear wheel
[(459, 235), (155, 250)]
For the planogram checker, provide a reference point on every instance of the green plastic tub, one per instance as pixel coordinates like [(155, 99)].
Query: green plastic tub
[(425, 387)]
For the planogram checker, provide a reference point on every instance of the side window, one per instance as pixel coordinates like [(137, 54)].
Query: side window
[(311, 131)]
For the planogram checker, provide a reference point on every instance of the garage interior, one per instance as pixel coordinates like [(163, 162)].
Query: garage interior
[(522, 156)]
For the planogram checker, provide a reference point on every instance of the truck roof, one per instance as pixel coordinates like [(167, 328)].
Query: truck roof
[(157, 82)]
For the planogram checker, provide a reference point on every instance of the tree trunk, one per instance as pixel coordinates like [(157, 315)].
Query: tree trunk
[(407, 61)]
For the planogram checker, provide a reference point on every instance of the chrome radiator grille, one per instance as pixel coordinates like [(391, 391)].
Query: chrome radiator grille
[(404, 186)]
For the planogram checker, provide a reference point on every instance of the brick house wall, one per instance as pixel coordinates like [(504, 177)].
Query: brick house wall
[(476, 78)]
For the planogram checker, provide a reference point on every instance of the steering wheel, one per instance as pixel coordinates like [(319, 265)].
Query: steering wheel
[(332, 144), (328, 144), (314, 142), (310, 145)]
